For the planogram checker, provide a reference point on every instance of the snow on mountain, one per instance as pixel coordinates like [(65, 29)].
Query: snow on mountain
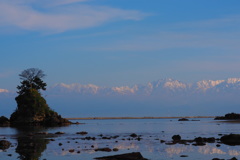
[(207, 84), (4, 91), (163, 86), (74, 88)]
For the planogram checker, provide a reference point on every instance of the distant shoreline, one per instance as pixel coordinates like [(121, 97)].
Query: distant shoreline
[(103, 118)]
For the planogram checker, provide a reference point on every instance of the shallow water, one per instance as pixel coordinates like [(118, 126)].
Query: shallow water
[(27, 145)]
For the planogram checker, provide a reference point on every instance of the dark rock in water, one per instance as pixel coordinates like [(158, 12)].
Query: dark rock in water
[(4, 144), (176, 138), (217, 159), (4, 121), (234, 158), (183, 119), (115, 149), (59, 133), (133, 135), (218, 145), (103, 149), (33, 110), (127, 156), (82, 133), (184, 156), (229, 116), (199, 141), (210, 140), (231, 139)]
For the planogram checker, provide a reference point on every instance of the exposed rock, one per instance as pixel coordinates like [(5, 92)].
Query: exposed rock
[(231, 139), (127, 156), (82, 133), (199, 141), (59, 133), (183, 119), (4, 121), (184, 156), (4, 144), (32, 109), (229, 116), (176, 138), (133, 135), (103, 149)]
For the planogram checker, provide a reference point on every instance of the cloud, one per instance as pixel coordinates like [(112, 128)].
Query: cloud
[(60, 16), (222, 34)]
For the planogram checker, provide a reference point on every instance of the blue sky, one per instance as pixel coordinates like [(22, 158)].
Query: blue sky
[(119, 42)]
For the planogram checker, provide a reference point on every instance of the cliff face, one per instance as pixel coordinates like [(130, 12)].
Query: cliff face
[(32, 109)]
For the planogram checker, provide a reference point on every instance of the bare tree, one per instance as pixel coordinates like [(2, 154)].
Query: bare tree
[(31, 79)]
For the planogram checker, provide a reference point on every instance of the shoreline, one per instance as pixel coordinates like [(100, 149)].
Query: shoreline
[(106, 118)]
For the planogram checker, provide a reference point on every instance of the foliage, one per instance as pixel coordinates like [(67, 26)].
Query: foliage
[(31, 79)]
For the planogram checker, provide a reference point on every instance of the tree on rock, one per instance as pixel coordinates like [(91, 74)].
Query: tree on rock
[(32, 108), (31, 79)]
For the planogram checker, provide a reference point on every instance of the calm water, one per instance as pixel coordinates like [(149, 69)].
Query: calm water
[(151, 131)]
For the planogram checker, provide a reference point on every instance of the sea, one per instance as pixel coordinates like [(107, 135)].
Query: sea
[(151, 137)]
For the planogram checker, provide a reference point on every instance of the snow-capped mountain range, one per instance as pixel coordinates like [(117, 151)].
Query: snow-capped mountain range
[(152, 88)]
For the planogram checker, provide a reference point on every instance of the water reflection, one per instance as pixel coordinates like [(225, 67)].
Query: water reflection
[(31, 148), (207, 149), (31, 145)]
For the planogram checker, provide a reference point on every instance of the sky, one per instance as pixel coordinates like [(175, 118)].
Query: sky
[(119, 42)]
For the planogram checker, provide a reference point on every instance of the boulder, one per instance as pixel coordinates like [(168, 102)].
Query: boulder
[(127, 156), (231, 139), (4, 121), (183, 119), (176, 138), (4, 144)]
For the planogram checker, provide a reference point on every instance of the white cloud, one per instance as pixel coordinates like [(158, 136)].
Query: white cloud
[(60, 17)]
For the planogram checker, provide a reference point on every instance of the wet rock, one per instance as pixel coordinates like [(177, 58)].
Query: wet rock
[(127, 156), (218, 145), (115, 149), (59, 133), (199, 141), (234, 158), (217, 159), (71, 150), (82, 133), (231, 139), (134, 135), (4, 121), (183, 119), (184, 156), (176, 138), (162, 141), (89, 138), (210, 140), (4, 144), (229, 116), (103, 149), (60, 144), (42, 133)]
